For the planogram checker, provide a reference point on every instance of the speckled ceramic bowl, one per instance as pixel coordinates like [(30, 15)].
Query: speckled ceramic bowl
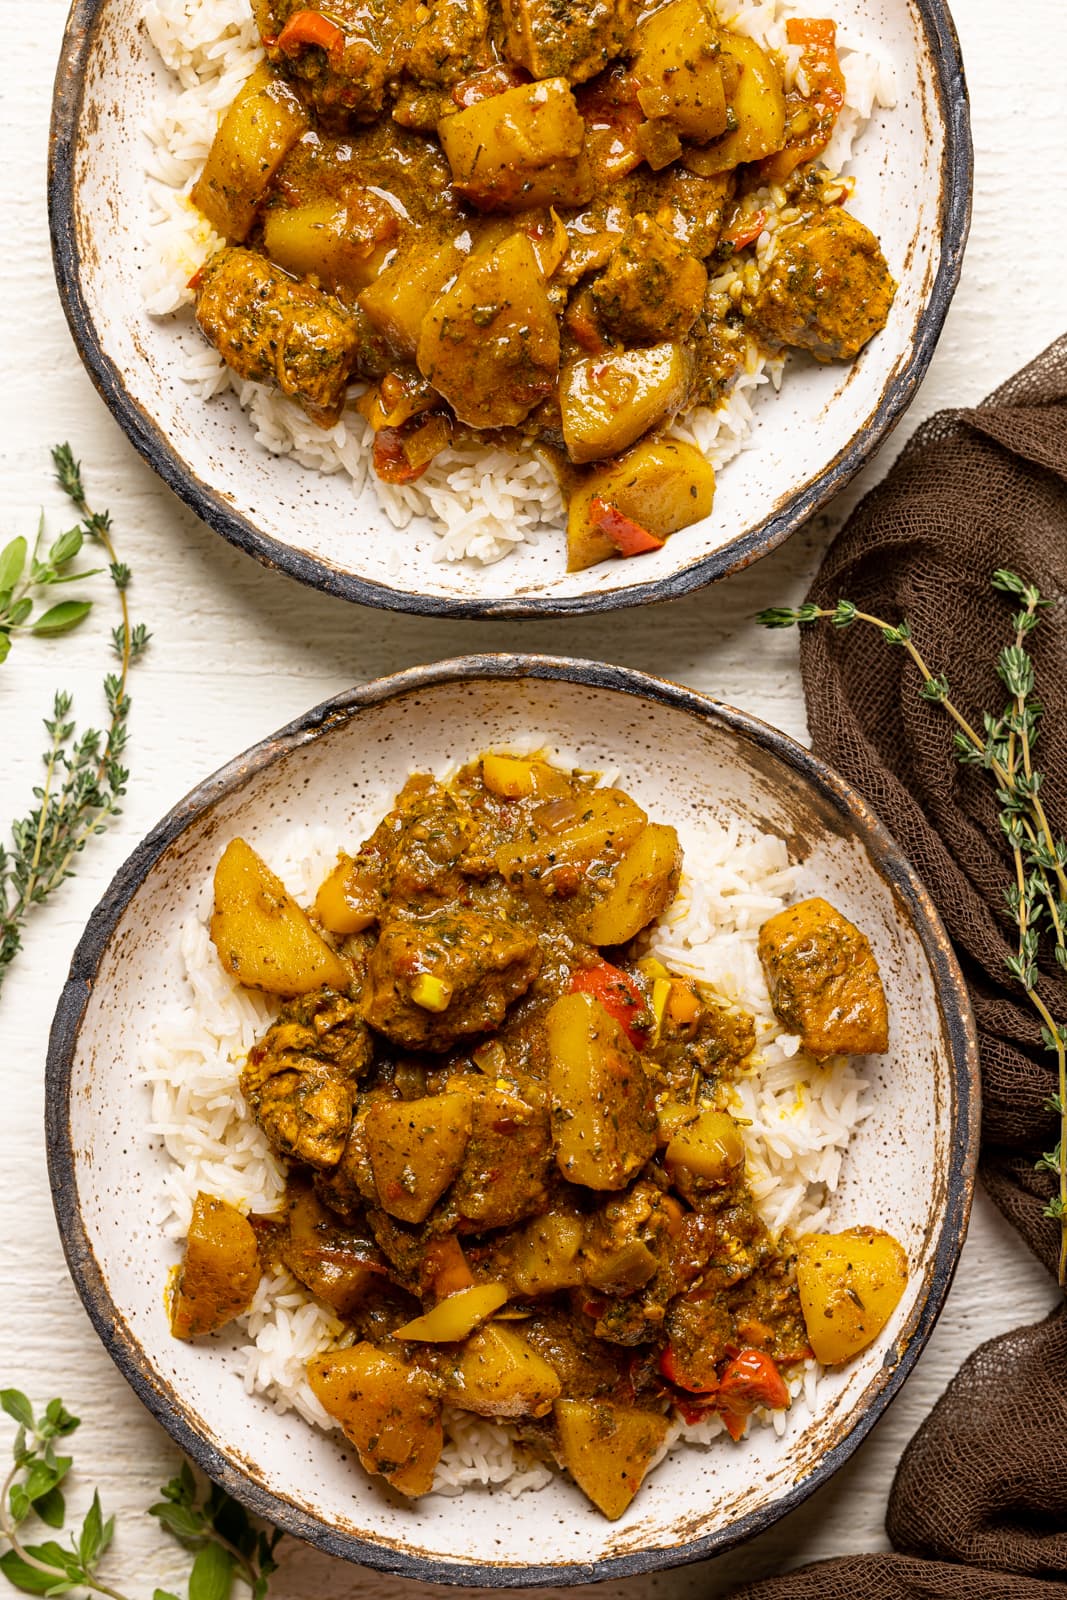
[(914, 183), (910, 1167)]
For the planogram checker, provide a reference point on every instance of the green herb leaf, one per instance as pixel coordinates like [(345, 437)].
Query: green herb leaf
[(63, 617), (66, 547), (179, 1520), (91, 1538), (16, 1405), (212, 1574), (52, 1508), (31, 1580), (12, 562)]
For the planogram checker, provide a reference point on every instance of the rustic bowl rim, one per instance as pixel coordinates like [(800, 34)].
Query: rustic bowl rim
[(211, 506), (134, 1362)]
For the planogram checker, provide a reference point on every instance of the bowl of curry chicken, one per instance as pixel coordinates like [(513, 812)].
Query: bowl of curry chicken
[(546, 1123), (508, 306)]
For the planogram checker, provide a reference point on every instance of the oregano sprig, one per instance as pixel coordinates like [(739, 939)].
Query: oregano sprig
[(84, 775), (227, 1543), (1036, 897)]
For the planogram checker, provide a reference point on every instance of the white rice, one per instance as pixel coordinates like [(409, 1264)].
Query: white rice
[(482, 501), (800, 1115)]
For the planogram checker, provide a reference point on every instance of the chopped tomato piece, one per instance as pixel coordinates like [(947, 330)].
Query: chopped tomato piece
[(620, 997), (629, 538), (310, 27), (734, 1423)]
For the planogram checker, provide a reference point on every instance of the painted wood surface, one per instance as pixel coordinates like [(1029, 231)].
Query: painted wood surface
[(237, 651)]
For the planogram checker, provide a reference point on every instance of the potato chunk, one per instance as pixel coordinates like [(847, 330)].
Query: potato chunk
[(519, 149), (415, 1148), (573, 41), (262, 125), (651, 288), (849, 1286), (608, 1448), (677, 70), (386, 1409), (756, 106), (543, 1258), (571, 832), (261, 934), (641, 886), (603, 1106), (399, 298), (490, 342), (661, 484), (220, 1272), (506, 1160), (609, 401), (343, 242), (824, 981), (499, 1375)]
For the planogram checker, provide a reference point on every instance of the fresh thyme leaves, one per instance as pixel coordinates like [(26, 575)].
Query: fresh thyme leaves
[(1037, 895), (227, 1543), (84, 776)]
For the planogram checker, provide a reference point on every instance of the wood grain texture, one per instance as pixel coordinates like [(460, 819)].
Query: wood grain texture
[(237, 651)]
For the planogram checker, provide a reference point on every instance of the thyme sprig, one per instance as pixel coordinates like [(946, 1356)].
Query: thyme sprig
[(1036, 897), (84, 777), (227, 1544)]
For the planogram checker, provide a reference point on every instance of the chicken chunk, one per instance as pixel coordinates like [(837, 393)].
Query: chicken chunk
[(829, 289), (490, 342), (272, 329), (300, 1079), (824, 981), (436, 979), (651, 289), (563, 38)]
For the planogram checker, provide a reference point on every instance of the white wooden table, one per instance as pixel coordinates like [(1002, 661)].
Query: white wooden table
[(237, 651)]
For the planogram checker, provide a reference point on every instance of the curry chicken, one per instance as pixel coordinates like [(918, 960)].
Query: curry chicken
[(510, 218), (513, 1169)]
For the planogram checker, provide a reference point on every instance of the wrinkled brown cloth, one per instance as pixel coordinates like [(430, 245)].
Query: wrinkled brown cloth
[(979, 1505)]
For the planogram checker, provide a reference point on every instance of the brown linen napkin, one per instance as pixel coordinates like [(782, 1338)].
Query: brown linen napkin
[(979, 1505)]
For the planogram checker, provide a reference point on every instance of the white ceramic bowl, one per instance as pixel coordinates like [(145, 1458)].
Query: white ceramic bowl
[(910, 1167), (913, 169)]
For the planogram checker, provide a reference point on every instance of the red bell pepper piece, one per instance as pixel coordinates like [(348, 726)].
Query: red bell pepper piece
[(310, 27), (629, 538), (618, 994), (751, 1379)]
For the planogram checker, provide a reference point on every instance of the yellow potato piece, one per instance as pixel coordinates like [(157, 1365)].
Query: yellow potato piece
[(607, 402), (499, 1375), (572, 832), (457, 1316), (416, 1148), (758, 108), (339, 906), (400, 297), (544, 1256), (849, 1286), (608, 1448), (385, 1408), (220, 1273), (677, 70), (603, 1111), (264, 122), (661, 484), (708, 1144), (261, 934), (642, 886), (518, 149)]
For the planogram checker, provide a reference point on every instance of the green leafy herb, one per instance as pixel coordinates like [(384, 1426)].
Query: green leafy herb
[(23, 573), (1037, 895), (228, 1545), (84, 776)]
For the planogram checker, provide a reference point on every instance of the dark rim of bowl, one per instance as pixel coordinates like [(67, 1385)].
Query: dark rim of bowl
[(740, 552), (132, 1360)]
